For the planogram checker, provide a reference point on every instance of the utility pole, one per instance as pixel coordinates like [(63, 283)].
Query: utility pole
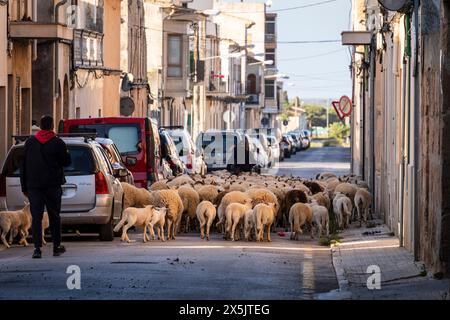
[(328, 118)]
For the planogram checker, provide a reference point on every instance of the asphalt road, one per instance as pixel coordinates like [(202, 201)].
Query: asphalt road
[(309, 163), (187, 268)]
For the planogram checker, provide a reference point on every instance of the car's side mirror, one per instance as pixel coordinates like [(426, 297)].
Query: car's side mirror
[(120, 173), (130, 161)]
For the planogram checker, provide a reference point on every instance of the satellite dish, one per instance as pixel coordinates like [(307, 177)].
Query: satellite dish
[(126, 106), (395, 5)]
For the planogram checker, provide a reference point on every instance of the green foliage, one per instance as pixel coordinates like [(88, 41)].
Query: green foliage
[(339, 131), (317, 115)]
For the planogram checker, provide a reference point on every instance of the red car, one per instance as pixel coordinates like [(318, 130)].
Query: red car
[(136, 138)]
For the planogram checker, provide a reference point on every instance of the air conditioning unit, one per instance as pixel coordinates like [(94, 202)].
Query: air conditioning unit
[(397, 5)]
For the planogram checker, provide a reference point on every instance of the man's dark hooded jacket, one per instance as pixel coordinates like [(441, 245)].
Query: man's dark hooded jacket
[(45, 157)]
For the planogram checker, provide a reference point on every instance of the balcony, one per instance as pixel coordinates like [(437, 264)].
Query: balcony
[(34, 30)]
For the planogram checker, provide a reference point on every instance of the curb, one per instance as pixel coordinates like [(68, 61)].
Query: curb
[(343, 293)]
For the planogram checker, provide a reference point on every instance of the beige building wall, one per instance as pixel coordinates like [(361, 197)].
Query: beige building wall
[(111, 57), (3, 83)]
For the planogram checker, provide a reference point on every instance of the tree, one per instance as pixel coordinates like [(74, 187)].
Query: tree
[(317, 115)]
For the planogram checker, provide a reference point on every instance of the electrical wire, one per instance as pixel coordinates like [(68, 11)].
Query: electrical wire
[(312, 57)]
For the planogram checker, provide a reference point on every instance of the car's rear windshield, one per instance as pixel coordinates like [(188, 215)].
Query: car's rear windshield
[(82, 162), (126, 136)]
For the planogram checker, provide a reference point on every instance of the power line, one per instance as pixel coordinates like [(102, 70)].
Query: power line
[(311, 57), (303, 6), (308, 41), (315, 4)]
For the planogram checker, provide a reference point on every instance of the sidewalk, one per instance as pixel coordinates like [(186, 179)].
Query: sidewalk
[(401, 277)]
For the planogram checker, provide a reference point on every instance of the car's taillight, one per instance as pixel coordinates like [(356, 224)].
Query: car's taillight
[(101, 185), (189, 161), (2, 186)]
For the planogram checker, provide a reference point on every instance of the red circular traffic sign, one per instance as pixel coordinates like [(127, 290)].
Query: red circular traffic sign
[(345, 106)]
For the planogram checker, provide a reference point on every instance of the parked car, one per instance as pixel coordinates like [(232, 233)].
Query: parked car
[(169, 153), (137, 140), (308, 136), (297, 140), (275, 148), (304, 140), (263, 141), (227, 149), (262, 157), (287, 146), (120, 170), (92, 196), (187, 151)]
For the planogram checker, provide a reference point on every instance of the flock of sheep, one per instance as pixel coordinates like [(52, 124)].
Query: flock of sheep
[(246, 206)]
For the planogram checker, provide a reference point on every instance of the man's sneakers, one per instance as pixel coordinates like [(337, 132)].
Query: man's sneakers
[(57, 251), (37, 254)]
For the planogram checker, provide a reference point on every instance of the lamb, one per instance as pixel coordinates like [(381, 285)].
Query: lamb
[(320, 218), (234, 216), (264, 216), (158, 220), (135, 197), (159, 185), (342, 207), (299, 214), (231, 197), (322, 199), (139, 217), (249, 224), (209, 192), (363, 199), (171, 200), (15, 222), (190, 200), (206, 213)]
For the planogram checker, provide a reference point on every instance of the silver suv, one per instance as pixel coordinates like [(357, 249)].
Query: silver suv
[(91, 196)]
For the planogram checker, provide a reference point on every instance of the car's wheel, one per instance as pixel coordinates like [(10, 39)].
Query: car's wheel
[(106, 231)]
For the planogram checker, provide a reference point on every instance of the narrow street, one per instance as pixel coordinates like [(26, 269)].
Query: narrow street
[(309, 163), (187, 268)]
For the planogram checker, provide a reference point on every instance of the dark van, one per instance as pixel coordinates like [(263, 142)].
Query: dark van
[(136, 138)]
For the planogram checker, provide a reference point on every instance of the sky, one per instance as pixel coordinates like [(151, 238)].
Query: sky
[(316, 70)]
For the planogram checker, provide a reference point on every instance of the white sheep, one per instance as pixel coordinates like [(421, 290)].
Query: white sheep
[(139, 217), (234, 216), (264, 215), (320, 218), (158, 220), (342, 207), (299, 214), (363, 200), (206, 213)]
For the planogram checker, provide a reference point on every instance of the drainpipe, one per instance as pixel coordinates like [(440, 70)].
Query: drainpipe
[(416, 130), (373, 61), (56, 20)]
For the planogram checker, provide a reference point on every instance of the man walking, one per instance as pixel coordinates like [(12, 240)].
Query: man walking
[(42, 176)]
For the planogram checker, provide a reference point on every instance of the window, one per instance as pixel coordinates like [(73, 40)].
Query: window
[(270, 89), (270, 55), (126, 139), (174, 63), (251, 84)]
